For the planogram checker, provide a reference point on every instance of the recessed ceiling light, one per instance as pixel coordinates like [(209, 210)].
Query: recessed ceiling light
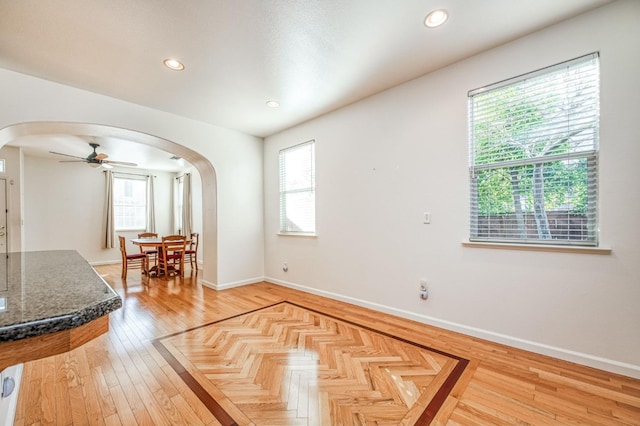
[(435, 18), (173, 64), (273, 104)]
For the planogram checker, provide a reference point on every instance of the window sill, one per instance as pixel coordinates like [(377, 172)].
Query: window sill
[(298, 234), (538, 247)]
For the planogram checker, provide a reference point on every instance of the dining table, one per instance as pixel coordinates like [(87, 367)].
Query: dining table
[(155, 243)]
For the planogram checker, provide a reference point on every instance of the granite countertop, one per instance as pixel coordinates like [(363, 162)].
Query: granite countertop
[(47, 291)]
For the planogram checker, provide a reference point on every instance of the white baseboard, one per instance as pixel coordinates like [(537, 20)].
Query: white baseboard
[(232, 284), (605, 364)]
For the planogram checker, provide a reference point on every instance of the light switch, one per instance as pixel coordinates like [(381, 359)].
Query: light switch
[(427, 217)]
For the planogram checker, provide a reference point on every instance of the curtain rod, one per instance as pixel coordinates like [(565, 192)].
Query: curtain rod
[(130, 174)]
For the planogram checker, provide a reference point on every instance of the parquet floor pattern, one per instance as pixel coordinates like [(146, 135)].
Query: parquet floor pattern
[(121, 378), (287, 365)]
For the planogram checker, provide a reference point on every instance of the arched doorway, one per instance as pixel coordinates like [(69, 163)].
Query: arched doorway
[(202, 165)]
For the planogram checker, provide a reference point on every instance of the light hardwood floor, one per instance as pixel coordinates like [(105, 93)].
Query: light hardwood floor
[(120, 378)]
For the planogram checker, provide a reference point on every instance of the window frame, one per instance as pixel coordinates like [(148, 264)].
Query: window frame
[(283, 192), (589, 155), (142, 179)]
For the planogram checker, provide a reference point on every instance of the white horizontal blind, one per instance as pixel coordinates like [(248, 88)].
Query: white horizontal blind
[(533, 156), (297, 189), (130, 203)]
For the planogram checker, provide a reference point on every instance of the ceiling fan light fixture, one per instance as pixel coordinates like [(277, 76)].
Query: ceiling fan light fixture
[(94, 159), (435, 18), (273, 104), (173, 64)]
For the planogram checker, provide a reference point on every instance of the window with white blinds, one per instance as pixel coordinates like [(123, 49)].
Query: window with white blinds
[(533, 156), (297, 189)]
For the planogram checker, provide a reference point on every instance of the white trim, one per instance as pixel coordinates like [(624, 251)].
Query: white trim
[(610, 365), (537, 247), (225, 286)]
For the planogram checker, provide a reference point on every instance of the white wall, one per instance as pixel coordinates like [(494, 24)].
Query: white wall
[(384, 161), (64, 208), (237, 199)]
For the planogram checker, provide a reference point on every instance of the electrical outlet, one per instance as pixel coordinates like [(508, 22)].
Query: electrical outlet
[(424, 294)]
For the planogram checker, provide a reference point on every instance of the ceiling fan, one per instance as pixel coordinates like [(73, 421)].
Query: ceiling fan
[(95, 160)]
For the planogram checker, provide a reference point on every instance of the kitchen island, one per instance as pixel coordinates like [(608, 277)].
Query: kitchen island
[(50, 302)]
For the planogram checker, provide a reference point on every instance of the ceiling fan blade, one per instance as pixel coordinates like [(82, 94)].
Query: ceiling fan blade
[(101, 157), (119, 163), (67, 155), (73, 161)]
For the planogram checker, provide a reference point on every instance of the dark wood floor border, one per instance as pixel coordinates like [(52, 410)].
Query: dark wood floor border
[(224, 418), (212, 405)]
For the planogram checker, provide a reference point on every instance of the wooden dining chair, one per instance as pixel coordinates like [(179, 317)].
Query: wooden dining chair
[(171, 255), (131, 261), (191, 254), (152, 254)]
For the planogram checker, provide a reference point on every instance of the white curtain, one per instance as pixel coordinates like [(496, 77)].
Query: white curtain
[(109, 230), (187, 221), (151, 208)]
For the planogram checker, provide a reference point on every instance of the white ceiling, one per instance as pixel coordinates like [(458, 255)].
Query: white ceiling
[(313, 56)]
